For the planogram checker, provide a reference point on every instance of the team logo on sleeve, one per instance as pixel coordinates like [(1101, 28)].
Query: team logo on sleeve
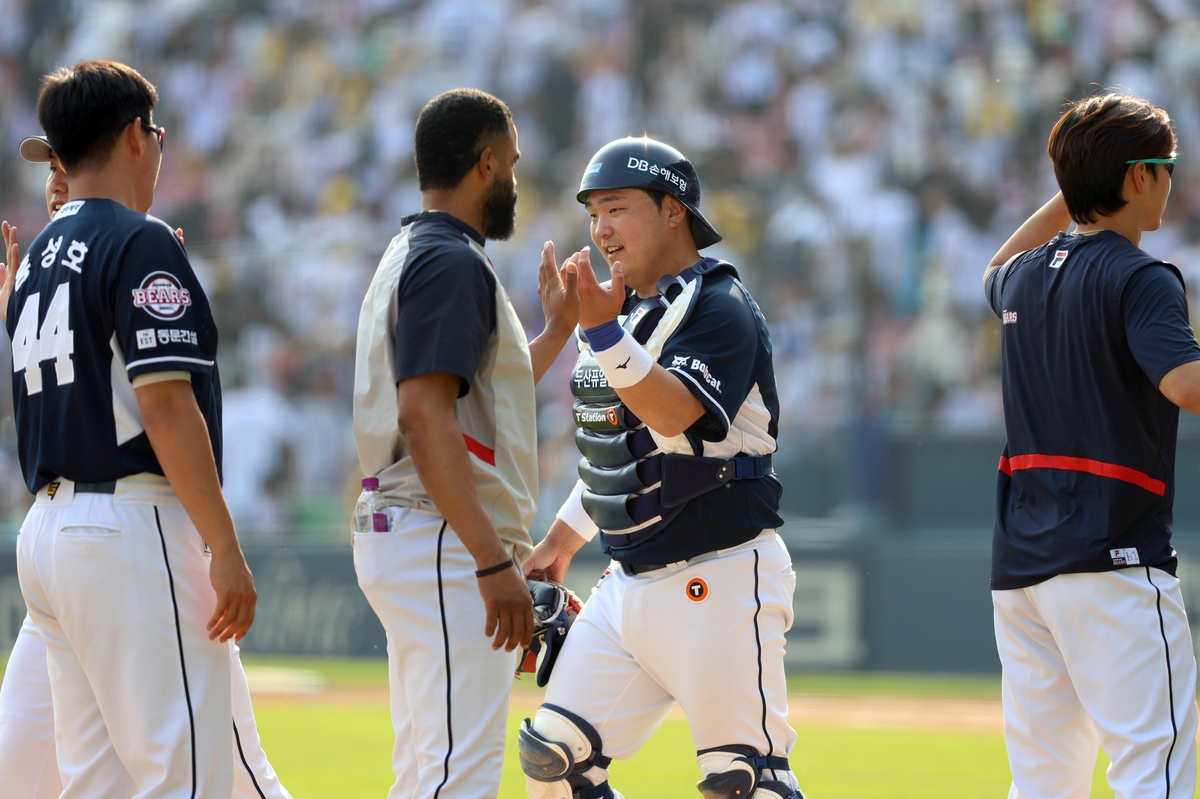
[(162, 296)]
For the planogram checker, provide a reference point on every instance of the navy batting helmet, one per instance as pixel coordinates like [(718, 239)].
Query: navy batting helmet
[(643, 163)]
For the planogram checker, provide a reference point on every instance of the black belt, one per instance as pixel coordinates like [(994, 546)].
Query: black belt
[(96, 488), (634, 569)]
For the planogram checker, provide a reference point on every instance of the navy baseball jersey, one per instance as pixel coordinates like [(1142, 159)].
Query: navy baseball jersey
[(103, 294), (1091, 324), (446, 303), (722, 354)]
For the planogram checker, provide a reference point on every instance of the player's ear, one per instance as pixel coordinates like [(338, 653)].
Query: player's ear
[(486, 164), (133, 135), (676, 213)]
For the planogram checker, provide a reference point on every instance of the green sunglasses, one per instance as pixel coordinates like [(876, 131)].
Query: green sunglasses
[(1169, 162)]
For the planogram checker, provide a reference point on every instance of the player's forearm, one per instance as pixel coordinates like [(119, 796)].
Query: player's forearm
[(663, 402), (443, 464), (563, 538), (1045, 223), (544, 349), (180, 439), (1181, 386)]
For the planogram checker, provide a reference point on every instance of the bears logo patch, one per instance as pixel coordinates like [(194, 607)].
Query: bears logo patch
[(162, 296)]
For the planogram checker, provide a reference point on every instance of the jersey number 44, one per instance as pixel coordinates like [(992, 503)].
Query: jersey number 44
[(54, 340)]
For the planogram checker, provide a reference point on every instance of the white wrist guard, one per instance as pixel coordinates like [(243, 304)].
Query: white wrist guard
[(624, 363), (574, 516)]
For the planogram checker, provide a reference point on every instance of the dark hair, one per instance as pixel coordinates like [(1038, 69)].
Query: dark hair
[(453, 130), (1091, 142), (84, 108), (659, 196), (655, 195)]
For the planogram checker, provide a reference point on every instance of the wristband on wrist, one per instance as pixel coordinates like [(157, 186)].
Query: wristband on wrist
[(499, 567), (624, 363), (601, 337)]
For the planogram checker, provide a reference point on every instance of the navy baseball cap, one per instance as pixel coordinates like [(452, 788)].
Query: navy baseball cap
[(36, 149), (644, 163)]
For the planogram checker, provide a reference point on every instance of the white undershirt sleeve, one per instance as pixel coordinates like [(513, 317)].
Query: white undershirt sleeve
[(574, 516), (150, 378)]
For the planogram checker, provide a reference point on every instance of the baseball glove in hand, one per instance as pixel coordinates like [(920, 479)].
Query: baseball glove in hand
[(554, 611)]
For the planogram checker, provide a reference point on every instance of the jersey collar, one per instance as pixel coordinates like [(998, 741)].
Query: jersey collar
[(443, 217)]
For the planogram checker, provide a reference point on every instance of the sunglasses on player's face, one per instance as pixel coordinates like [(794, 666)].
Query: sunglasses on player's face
[(1168, 162), (161, 133)]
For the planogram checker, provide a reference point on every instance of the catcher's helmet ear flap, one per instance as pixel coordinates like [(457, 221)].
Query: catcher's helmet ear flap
[(643, 163)]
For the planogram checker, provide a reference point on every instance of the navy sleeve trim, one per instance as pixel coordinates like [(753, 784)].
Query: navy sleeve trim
[(994, 286)]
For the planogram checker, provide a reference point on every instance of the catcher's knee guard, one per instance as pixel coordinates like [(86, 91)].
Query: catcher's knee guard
[(735, 772), (556, 749)]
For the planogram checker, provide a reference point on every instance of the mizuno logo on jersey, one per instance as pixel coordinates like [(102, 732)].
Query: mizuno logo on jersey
[(162, 296), (1060, 258)]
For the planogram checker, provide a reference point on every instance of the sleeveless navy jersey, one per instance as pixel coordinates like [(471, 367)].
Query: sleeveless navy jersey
[(103, 294), (722, 354), (1090, 325)]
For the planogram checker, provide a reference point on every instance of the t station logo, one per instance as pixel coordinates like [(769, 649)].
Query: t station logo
[(162, 296)]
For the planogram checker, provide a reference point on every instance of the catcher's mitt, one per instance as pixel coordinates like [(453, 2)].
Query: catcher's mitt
[(554, 610)]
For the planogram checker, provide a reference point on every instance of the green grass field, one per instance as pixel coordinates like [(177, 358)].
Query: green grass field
[(328, 750)]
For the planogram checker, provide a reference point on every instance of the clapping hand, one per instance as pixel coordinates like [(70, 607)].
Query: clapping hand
[(8, 272), (557, 288), (597, 304)]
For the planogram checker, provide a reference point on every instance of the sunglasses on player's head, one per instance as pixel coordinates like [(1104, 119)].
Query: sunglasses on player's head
[(1168, 162)]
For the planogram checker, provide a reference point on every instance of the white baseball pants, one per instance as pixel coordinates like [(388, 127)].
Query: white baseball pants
[(708, 633), (118, 588), (449, 689), (1096, 660), (28, 763)]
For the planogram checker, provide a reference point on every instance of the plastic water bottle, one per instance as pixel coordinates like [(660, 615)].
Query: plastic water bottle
[(370, 512)]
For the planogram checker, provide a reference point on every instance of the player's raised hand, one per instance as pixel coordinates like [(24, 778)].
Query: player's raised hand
[(236, 597), (8, 270), (597, 304), (559, 291), (509, 609)]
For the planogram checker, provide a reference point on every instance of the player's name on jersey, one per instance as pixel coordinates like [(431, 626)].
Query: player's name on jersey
[(72, 258)]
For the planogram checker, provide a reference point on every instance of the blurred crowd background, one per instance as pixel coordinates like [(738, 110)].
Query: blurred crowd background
[(864, 159)]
